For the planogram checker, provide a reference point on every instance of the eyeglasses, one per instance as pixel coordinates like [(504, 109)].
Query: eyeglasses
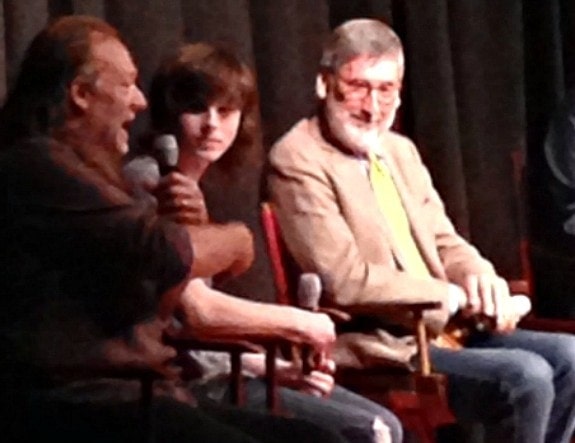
[(356, 90)]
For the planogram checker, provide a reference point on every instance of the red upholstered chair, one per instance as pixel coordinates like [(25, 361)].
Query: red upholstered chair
[(417, 398)]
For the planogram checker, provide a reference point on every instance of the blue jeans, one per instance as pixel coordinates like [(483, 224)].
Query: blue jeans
[(521, 386), (344, 412)]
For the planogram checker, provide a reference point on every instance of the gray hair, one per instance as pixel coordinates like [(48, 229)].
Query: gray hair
[(360, 37)]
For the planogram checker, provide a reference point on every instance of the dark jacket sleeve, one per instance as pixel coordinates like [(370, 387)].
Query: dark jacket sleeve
[(73, 240)]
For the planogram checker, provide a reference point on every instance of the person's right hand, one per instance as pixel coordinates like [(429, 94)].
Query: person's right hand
[(317, 330), (180, 199), (488, 294)]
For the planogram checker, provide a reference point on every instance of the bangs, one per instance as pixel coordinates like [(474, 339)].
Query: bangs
[(228, 86), (198, 76), (188, 92)]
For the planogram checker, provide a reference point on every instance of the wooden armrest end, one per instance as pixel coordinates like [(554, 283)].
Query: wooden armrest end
[(519, 287), (336, 315), (420, 307)]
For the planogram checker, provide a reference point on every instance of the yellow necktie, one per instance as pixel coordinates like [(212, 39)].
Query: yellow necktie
[(391, 207)]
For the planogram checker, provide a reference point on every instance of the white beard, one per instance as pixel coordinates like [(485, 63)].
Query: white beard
[(358, 137)]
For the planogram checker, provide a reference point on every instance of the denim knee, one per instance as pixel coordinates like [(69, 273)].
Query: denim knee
[(563, 359), (387, 428), (528, 378)]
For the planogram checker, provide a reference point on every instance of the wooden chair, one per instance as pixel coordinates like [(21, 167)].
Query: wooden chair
[(529, 253), (417, 398), (526, 286), (235, 348)]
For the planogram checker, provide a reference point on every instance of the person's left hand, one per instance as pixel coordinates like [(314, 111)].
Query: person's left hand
[(489, 294), (319, 382), (180, 198)]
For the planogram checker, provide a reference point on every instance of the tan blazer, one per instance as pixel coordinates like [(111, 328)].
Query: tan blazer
[(332, 225)]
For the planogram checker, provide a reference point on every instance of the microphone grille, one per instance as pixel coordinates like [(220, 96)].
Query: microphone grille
[(166, 147), (521, 304), (309, 290)]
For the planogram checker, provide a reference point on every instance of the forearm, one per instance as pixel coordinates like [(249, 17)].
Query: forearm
[(208, 313)]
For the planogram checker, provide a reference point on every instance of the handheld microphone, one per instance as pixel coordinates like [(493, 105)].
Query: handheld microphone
[(166, 153), (308, 295), (309, 291), (520, 304)]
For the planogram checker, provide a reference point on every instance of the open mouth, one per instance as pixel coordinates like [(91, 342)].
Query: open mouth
[(126, 125)]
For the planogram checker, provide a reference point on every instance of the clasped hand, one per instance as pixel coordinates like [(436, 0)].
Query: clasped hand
[(180, 198), (319, 382), (489, 294)]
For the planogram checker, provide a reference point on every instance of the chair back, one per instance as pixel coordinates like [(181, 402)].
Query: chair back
[(285, 270)]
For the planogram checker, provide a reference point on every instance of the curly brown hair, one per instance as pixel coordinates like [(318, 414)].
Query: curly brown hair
[(199, 74)]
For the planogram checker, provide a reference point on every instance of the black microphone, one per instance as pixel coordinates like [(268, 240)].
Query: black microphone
[(166, 153), (308, 295)]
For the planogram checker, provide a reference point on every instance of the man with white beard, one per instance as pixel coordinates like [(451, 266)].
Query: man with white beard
[(357, 206)]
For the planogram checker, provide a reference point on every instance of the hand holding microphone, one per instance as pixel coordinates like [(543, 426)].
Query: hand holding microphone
[(179, 197), (517, 307), (308, 295)]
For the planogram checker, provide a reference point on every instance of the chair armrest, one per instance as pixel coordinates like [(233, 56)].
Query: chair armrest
[(420, 307), (518, 286), (236, 348), (417, 310), (336, 315), (548, 324), (214, 345)]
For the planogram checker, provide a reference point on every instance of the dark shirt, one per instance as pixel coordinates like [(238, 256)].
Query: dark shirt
[(82, 262)]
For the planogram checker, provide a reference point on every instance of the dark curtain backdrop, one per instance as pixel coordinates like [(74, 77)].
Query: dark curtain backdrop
[(482, 79)]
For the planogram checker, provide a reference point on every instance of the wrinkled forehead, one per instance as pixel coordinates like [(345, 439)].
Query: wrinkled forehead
[(365, 67), (110, 54)]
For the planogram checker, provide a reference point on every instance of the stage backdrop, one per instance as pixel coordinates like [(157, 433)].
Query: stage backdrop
[(482, 78)]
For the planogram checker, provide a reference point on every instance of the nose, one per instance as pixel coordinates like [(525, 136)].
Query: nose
[(139, 102), (211, 117), (371, 104)]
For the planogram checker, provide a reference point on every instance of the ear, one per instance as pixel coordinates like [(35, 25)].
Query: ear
[(80, 92), (321, 86)]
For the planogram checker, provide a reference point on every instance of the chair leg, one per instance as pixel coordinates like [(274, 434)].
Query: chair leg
[(272, 402), (146, 412), (238, 394)]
